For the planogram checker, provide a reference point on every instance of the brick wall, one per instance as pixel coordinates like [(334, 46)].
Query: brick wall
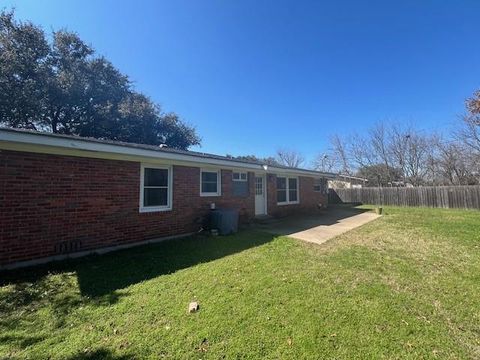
[(309, 199), (53, 204)]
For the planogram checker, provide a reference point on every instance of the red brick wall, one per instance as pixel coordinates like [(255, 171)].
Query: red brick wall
[(49, 203), (52, 204), (309, 199)]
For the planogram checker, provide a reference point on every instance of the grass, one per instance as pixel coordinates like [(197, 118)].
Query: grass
[(404, 286)]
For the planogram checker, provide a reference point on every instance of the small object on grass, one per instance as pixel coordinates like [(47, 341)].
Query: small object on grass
[(203, 346), (193, 307), (379, 210)]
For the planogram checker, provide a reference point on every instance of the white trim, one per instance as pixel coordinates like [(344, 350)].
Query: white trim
[(265, 189), (315, 184), (168, 207), (287, 190), (265, 192), (65, 145), (240, 173), (219, 182)]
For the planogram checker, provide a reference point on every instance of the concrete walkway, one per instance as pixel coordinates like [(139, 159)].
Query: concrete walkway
[(320, 228)]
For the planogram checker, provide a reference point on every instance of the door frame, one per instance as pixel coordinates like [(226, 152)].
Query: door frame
[(264, 183)]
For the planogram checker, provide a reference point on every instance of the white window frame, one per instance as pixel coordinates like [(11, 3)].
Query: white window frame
[(167, 207), (242, 176), (288, 202), (219, 182)]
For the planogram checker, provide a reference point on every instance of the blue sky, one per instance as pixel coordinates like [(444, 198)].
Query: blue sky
[(253, 76)]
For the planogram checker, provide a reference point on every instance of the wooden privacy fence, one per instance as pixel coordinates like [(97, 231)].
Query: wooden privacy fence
[(463, 197)]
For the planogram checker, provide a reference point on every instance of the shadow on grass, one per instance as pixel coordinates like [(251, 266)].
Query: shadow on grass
[(21, 341), (99, 276), (102, 354)]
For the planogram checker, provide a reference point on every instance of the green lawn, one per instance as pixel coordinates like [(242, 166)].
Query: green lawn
[(404, 286)]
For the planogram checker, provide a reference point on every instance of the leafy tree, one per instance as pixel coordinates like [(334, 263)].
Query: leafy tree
[(23, 72), (63, 87), (252, 158)]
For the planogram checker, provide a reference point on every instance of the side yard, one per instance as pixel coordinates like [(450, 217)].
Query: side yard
[(404, 286)]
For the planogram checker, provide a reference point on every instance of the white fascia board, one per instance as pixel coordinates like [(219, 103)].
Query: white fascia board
[(298, 172), (96, 147), (12, 140)]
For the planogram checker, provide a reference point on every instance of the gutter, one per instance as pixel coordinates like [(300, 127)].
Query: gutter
[(21, 140)]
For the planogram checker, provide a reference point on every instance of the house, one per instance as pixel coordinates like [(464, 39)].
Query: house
[(342, 181), (67, 196)]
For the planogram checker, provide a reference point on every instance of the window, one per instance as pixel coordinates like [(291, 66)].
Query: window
[(239, 176), (210, 183), (240, 184), (320, 185), (155, 188), (281, 190), (292, 190), (287, 190), (258, 185)]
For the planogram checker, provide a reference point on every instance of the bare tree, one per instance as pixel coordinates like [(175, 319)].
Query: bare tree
[(469, 137), (326, 162), (409, 151), (396, 153), (469, 134), (340, 151), (450, 164), (381, 149), (390, 149), (455, 164), (360, 150), (290, 158)]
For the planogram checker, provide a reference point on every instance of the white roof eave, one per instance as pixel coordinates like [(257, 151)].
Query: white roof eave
[(86, 146)]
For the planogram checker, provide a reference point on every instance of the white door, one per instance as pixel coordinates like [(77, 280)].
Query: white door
[(260, 203)]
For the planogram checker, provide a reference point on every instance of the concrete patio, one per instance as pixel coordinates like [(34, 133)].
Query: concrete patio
[(321, 227)]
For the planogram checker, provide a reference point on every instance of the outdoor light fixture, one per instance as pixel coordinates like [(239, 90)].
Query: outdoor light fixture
[(265, 167)]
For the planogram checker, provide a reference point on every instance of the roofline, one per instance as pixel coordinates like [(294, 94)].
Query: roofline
[(16, 139), (351, 177)]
